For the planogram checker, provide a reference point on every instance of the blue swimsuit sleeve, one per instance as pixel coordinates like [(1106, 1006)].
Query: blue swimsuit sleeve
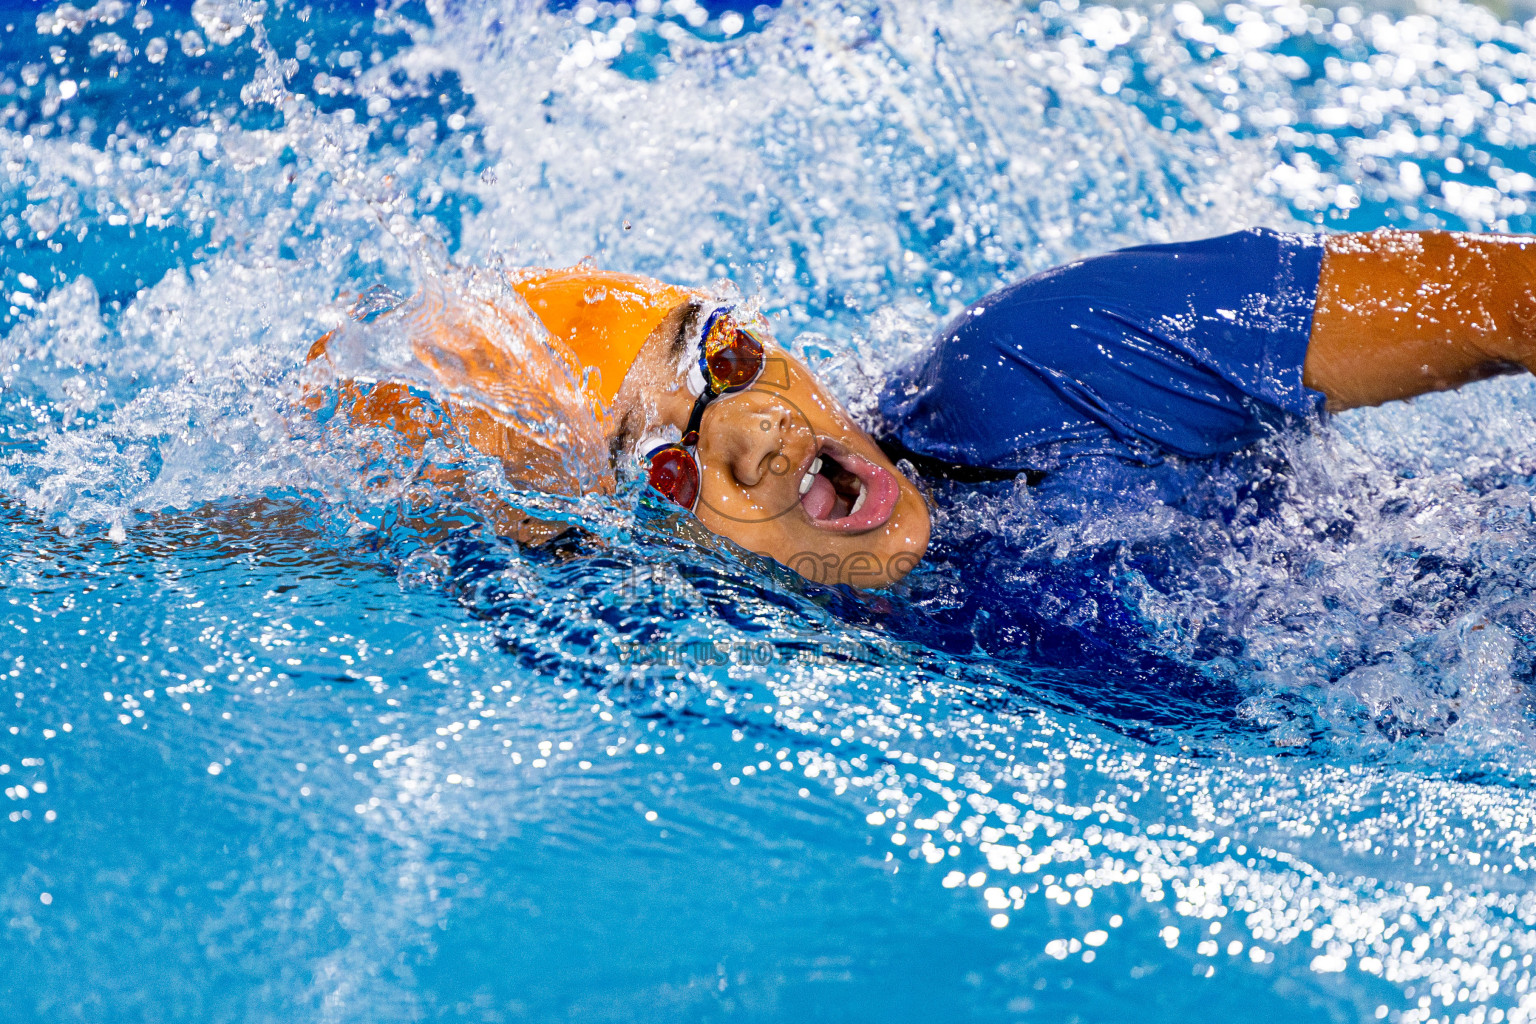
[(1189, 349)]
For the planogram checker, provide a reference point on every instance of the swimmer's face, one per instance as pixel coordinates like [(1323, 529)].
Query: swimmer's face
[(785, 472)]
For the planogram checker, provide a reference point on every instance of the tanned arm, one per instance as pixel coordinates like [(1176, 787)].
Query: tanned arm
[(1401, 313)]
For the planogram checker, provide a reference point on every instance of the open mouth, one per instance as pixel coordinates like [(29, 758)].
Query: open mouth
[(846, 492)]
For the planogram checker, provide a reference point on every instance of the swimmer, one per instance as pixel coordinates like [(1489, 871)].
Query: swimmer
[(694, 392), (1186, 350)]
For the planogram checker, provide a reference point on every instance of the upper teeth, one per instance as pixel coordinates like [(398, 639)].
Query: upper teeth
[(810, 474), (863, 493)]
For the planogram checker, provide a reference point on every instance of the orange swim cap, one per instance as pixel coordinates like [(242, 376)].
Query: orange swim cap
[(601, 316)]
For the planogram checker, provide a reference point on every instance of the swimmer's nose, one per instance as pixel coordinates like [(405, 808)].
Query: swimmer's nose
[(755, 435)]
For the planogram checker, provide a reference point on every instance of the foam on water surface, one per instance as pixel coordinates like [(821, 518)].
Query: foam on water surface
[(289, 734)]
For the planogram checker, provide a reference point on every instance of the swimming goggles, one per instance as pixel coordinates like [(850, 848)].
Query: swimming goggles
[(731, 358)]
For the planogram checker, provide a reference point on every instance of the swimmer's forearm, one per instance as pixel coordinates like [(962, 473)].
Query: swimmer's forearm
[(528, 531), (1402, 313)]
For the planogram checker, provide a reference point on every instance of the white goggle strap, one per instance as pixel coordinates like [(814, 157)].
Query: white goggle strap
[(651, 444)]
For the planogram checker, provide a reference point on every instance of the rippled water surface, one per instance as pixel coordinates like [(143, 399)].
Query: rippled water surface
[(288, 736)]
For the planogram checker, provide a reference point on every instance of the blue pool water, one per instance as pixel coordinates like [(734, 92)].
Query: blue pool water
[(285, 737)]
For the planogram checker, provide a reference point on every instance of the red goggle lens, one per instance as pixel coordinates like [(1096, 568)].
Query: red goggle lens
[(733, 355), (675, 474)]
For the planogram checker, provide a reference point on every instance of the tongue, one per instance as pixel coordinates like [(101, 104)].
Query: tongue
[(818, 501)]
